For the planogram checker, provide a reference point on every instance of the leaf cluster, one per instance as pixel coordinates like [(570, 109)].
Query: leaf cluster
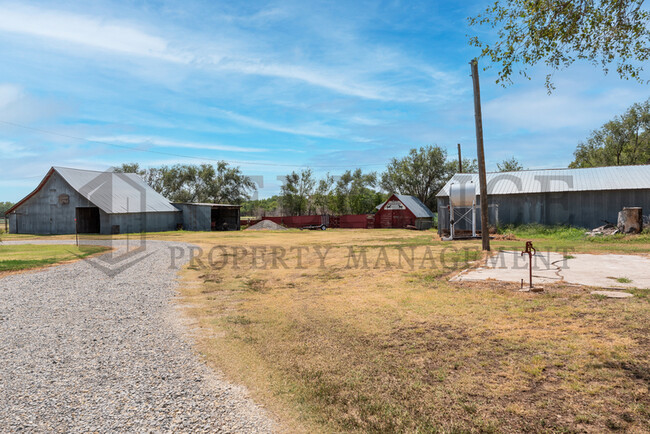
[(559, 32)]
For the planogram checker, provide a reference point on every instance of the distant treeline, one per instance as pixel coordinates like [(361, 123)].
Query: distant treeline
[(421, 173)]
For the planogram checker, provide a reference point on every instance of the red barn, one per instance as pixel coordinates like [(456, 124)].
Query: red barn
[(400, 211)]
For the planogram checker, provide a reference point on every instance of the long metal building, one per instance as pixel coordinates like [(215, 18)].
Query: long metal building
[(584, 198), (86, 201)]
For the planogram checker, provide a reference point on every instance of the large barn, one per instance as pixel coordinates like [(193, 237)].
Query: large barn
[(86, 201), (584, 198)]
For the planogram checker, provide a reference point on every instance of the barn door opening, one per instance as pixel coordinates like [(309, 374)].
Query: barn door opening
[(87, 220), (224, 219)]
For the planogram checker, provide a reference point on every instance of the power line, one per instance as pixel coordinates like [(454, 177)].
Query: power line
[(82, 139)]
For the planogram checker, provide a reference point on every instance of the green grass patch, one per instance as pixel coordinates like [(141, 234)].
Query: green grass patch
[(26, 256), (565, 239), (544, 232), (621, 279)]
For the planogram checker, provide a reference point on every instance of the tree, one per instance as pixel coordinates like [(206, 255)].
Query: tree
[(509, 165), (469, 166), (296, 192), (354, 193), (218, 183), (261, 207), (421, 173), (4, 207), (323, 197), (559, 32), (625, 140)]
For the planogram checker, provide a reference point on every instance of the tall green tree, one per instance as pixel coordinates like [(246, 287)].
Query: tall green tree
[(559, 32), (323, 198), (510, 165), (355, 193), (218, 183), (296, 192), (625, 140), (421, 173)]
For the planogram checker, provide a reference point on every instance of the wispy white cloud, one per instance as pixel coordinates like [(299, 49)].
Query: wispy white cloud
[(229, 55), (149, 141), (87, 31), (9, 94), (18, 106), (11, 150), (328, 80), (314, 129)]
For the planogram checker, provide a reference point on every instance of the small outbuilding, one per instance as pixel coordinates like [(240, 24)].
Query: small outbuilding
[(210, 216), (584, 198), (402, 211)]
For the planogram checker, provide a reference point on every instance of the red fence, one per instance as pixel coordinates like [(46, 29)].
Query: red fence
[(355, 221)]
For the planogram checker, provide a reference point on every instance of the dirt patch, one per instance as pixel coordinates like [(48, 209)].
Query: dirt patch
[(505, 237)]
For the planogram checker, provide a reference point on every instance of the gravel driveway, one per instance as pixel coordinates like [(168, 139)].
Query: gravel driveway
[(83, 351)]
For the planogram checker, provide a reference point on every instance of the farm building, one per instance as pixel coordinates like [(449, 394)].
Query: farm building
[(209, 216), (401, 211), (86, 201), (584, 198)]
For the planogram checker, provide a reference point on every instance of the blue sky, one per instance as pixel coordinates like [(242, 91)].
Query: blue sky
[(271, 86)]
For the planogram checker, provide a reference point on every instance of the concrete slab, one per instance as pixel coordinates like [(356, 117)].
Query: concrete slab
[(609, 271), (612, 294)]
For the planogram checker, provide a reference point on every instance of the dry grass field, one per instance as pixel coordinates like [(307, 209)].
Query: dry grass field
[(330, 344)]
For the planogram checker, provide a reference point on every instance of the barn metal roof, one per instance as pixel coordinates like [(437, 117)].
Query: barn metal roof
[(116, 193), (559, 180), (414, 204), (213, 205)]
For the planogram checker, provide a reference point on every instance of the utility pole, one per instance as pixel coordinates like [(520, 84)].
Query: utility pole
[(485, 233), (460, 161)]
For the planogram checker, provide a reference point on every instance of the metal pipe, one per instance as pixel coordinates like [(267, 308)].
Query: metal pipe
[(531, 252)]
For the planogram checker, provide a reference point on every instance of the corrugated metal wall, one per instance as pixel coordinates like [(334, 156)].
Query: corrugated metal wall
[(43, 213), (195, 217), (585, 209), (141, 222)]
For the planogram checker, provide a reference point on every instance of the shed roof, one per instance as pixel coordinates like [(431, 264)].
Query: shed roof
[(559, 180), (113, 193), (414, 204)]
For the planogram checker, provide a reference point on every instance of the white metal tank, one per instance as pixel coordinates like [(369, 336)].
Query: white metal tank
[(462, 194)]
